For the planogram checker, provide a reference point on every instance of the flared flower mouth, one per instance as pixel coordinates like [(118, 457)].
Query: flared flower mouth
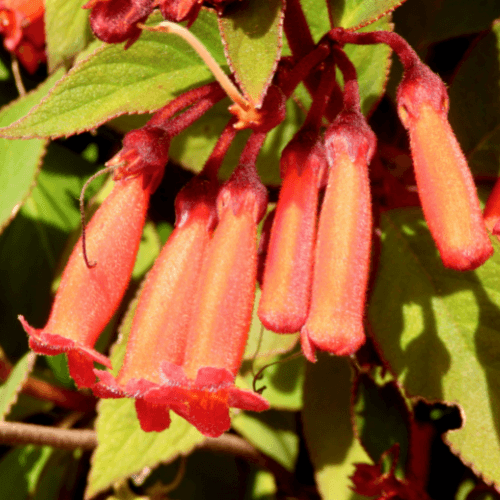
[(204, 401)]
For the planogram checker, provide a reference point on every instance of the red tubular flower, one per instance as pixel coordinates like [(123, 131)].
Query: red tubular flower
[(115, 21), (180, 10), (286, 288), (202, 390), (88, 297), (335, 319), (445, 185), (160, 325), (21, 24)]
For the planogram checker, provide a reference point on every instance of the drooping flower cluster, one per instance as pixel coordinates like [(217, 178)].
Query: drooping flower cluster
[(190, 327)]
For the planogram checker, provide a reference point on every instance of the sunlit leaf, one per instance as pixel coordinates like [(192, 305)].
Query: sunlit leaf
[(358, 13), (113, 81), (438, 331), (271, 432), (20, 160), (252, 31), (66, 29)]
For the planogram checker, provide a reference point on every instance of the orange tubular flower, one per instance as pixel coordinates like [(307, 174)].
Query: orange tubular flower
[(161, 322), (335, 320), (445, 185), (21, 24), (191, 325), (286, 288), (88, 297)]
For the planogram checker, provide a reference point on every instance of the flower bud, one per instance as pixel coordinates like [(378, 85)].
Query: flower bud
[(335, 319), (445, 185), (286, 288)]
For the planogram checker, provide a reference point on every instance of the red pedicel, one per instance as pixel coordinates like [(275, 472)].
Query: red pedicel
[(22, 26), (335, 319), (286, 288), (445, 185), (87, 298)]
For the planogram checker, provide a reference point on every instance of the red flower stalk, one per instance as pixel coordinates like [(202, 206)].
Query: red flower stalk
[(286, 288), (335, 319), (492, 210), (21, 24), (445, 185), (87, 297), (115, 21)]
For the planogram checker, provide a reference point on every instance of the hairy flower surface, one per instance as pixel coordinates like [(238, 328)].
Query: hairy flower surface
[(445, 185), (286, 288), (335, 319), (87, 297), (191, 324)]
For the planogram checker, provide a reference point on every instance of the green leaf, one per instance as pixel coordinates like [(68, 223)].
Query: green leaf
[(37, 237), (283, 381), (317, 16), (192, 147), (271, 432), (354, 14), (382, 419), (332, 445), (263, 488), (20, 469), (67, 30), (427, 21), (10, 389), (19, 160), (148, 251), (252, 31), (478, 127), (263, 343), (124, 449), (113, 81), (438, 331)]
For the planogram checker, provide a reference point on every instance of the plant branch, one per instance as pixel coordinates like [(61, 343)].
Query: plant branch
[(14, 433)]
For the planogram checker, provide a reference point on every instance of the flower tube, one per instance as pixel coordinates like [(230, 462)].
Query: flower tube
[(286, 288), (202, 389), (445, 185), (335, 319), (160, 325), (88, 297)]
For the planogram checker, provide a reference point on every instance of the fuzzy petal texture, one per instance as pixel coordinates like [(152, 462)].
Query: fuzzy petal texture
[(445, 185), (87, 298)]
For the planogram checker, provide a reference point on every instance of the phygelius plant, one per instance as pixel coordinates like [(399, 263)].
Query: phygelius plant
[(288, 258)]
